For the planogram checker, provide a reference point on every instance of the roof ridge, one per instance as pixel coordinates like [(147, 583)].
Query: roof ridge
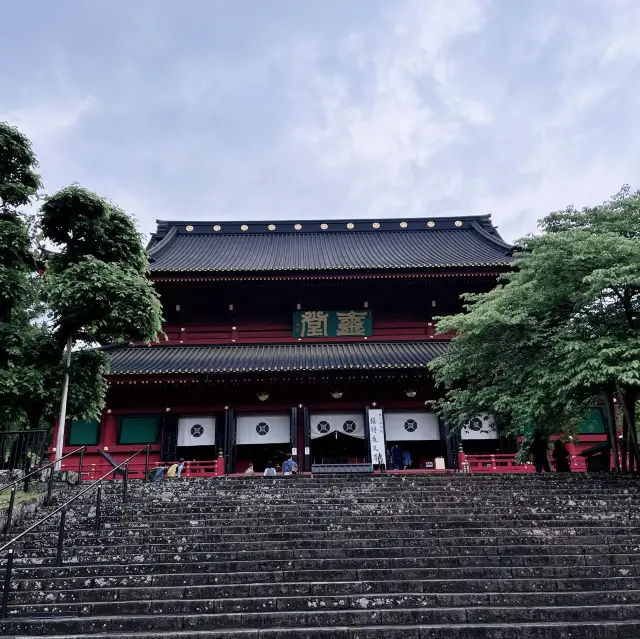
[(410, 218)]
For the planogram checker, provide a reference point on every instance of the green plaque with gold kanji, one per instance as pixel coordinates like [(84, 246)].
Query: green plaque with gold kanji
[(332, 324)]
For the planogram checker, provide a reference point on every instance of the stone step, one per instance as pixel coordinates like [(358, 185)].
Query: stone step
[(207, 563), (322, 618), (344, 538), (382, 519), (394, 556), (360, 546), (174, 575), (298, 595), (536, 555), (303, 524), (314, 531), (446, 545), (550, 630), (43, 565), (342, 497), (273, 603)]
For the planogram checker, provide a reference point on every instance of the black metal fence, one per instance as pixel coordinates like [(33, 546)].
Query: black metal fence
[(22, 450), (11, 545)]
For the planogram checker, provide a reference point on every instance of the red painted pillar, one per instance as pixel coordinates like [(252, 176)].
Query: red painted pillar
[(462, 458), (108, 430), (220, 465)]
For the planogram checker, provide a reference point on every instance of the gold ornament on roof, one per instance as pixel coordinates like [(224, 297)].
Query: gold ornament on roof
[(272, 227), (217, 227), (298, 227), (376, 225), (431, 224), (403, 225), (244, 227), (189, 227), (458, 223), (350, 225), (324, 227)]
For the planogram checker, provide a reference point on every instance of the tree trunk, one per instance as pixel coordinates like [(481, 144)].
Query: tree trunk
[(611, 428), (63, 405), (628, 397)]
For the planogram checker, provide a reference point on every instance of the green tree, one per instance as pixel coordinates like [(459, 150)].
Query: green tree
[(19, 184), (559, 332), (31, 367), (95, 284)]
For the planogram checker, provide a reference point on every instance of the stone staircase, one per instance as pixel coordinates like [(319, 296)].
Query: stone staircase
[(413, 557)]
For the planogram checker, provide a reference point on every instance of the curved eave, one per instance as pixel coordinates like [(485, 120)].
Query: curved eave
[(272, 358)]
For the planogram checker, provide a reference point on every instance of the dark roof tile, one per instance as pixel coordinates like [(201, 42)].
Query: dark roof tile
[(180, 247), (142, 360)]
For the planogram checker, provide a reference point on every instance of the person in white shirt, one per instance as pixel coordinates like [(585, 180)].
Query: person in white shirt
[(270, 471)]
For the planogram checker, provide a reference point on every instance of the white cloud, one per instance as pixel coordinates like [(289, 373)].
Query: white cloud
[(375, 119), (412, 107), (44, 120)]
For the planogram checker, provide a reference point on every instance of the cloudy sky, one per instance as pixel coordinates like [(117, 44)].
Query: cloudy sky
[(289, 109)]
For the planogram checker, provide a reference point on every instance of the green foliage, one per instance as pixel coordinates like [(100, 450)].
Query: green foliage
[(85, 224), (30, 386), (19, 181), (560, 330), (94, 289), (104, 302)]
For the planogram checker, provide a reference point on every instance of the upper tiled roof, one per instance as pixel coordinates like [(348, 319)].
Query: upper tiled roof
[(201, 247), (261, 358)]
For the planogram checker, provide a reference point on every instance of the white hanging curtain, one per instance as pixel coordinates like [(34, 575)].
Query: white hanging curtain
[(417, 425), (263, 429), (351, 424), (482, 427), (197, 430)]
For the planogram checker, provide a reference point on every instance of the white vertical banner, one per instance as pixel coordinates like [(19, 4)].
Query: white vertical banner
[(481, 427), (376, 437), (351, 424), (197, 431), (263, 429)]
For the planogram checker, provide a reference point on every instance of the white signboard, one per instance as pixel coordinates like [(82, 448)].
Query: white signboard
[(323, 424), (263, 429), (482, 427), (376, 437), (417, 425), (197, 431)]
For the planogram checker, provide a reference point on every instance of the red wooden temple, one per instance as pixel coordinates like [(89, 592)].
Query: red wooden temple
[(299, 338)]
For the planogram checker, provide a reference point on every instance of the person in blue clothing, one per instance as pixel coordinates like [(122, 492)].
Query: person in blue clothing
[(406, 459), (289, 467), (396, 457), (158, 473)]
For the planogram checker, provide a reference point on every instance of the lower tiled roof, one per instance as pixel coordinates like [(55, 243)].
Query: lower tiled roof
[(261, 358)]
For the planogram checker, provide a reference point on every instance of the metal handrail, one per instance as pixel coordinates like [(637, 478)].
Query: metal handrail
[(41, 468), (62, 510)]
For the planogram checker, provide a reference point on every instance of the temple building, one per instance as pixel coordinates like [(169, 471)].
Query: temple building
[(309, 338)]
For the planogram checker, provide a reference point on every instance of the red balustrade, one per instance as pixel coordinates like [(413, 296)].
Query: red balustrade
[(507, 464), (91, 471)]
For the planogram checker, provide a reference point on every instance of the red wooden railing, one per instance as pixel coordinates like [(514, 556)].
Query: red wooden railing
[(507, 464), (94, 470)]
